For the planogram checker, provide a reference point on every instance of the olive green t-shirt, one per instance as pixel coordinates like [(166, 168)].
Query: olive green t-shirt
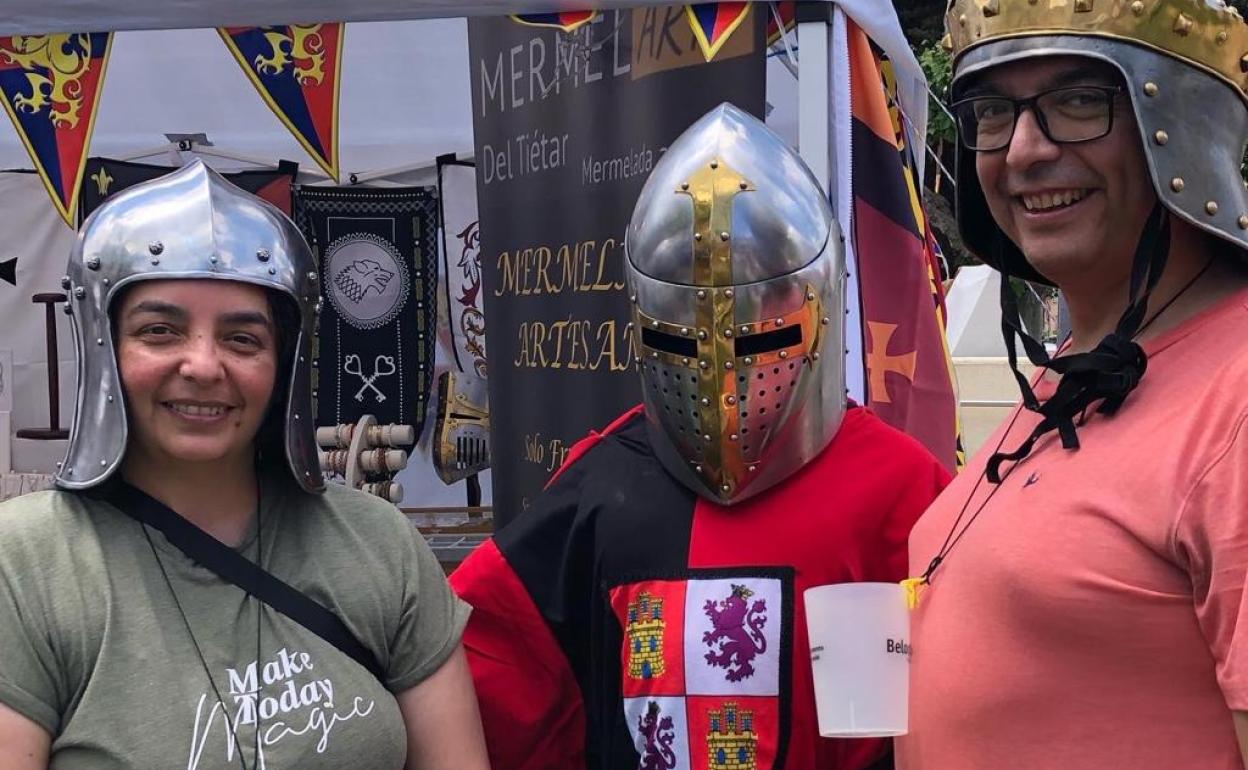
[(93, 646)]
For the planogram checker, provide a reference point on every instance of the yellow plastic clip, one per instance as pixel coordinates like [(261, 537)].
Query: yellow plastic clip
[(914, 589)]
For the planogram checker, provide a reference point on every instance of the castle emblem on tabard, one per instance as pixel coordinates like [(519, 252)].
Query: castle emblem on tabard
[(645, 637), (657, 734), (736, 636), (731, 743)]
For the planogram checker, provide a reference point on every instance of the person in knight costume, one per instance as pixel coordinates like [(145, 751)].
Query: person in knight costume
[(1083, 579), (646, 611), (125, 642)]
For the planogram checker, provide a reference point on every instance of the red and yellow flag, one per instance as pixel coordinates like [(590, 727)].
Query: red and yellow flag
[(568, 21), (909, 373), (714, 23), (297, 69), (50, 85)]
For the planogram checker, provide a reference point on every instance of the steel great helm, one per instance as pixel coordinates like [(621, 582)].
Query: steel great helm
[(188, 224), (1185, 66), (737, 277)]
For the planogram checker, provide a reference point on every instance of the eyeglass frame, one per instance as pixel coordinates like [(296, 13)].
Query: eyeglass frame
[(1042, 120)]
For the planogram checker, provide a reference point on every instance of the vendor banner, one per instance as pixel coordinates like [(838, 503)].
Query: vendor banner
[(50, 85), (461, 264), (105, 177), (567, 127), (376, 252), (297, 69)]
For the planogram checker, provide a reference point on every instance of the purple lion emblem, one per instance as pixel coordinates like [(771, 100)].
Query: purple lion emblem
[(737, 636), (658, 735)]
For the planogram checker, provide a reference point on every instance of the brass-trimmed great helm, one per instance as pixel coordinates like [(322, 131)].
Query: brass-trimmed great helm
[(191, 223), (737, 275), (1185, 66)]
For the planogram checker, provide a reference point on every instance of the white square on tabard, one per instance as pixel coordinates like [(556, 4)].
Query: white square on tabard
[(6, 380), (656, 721), (732, 636)]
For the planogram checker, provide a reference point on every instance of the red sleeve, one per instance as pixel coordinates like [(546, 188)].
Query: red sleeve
[(531, 707)]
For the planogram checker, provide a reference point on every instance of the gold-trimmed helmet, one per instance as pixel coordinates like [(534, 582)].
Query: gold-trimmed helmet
[(1185, 66), (737, 276)]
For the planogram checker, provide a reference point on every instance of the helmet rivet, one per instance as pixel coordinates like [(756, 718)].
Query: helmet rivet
[(1137, 7), (684, 331), (1176, 184), (1161, 137), (706, 402), (103, 463), (779, 322), (697, 469), (684, 185), (714, 165), (732, 437), (752, 468), (784, 354), (728, 293), (728, 364), (155, 247), (725, 487), (825, 320), (105, 281), (312, 276), (93, 263), (744, 185), (213, 259), (1243, 221), (632, 298), (701, 294), (1150, 89), (272, 271), (724, 236), (962, 20), (810, 296), (654, 354), (748, 361), (701, 334), (706, 438), (1211, 207), (110, 399), (728, 333), (80, 292), (684, 361), (65, 282), (697, 236), (155, 261), (731, 400), (296, 416), (1221, 38), (745, 329), (263, 255), (815, 356), (1183, 25), (654, 324), (703, 365), (99, 340), (68, 310)]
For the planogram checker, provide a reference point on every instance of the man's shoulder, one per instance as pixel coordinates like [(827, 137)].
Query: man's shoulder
[(865, 438)]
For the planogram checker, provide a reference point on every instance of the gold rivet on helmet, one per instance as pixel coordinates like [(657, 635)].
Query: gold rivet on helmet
[(684, 185), (714, 165), (1182, 25), (728, 293), (779, 322), (684, 361), (684, 331), (744, 185), (728, 333), (815, 355), (745, 329), (1243, 221), (1083, 6), (749, 361), (724, 236), (1137, 7), (1211, 207), (1161, 137), (654, 354), (784, 354), (727, 364), (731, 400), (810, 296), (654, 324), (703, 365), (962, 20), (946, 42), (1176, 184), (1221, 38), (992, 8), (701, 334), (697, 236), (1150, 89), (701, 294), (825, 320), (706, 402)]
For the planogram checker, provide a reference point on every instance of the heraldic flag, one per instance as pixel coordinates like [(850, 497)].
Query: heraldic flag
[(714, 23), (297, 69), (51, 89), (568, 21), (909, 381)]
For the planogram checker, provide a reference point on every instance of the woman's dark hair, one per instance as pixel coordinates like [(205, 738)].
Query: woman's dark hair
[(271, 437)]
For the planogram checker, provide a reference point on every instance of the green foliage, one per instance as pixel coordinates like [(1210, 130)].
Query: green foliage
[(937, 67)]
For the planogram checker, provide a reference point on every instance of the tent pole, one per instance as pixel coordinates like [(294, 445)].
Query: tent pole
[(814, 89)]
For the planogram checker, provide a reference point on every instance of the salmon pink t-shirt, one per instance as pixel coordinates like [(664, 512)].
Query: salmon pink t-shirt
[(1090, 616)]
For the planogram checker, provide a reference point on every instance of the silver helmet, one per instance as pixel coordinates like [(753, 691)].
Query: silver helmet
[(1185, 66), (737, 277), (191, 223)]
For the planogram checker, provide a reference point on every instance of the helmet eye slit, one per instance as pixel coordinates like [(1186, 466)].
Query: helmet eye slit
[(669, 343), (754, 344)]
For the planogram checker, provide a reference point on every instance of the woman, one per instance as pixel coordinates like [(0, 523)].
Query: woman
[(194, 309)]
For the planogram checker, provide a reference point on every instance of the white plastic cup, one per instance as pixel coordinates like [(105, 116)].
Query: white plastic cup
[(860, 657)]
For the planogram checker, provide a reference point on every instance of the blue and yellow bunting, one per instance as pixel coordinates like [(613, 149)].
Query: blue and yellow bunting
[(51, 85), (714, 23), (297, 70), (568, 21)]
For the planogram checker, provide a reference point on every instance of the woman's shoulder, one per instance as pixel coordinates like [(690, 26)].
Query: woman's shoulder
[(341, 511), (43, 514)]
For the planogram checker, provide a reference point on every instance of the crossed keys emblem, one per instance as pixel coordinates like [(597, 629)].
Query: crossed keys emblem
[(353, 360)]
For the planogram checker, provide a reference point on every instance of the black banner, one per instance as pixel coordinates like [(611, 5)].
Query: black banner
[(377, 253), (567, 128), (104, 177)]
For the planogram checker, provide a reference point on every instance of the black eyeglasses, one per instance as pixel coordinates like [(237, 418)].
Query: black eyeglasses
[(1066, 115)]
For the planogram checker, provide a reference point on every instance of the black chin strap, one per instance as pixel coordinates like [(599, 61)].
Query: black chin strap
[(1107, 373)]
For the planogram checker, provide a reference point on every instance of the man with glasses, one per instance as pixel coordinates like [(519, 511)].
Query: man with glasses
[(1080, 585)]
